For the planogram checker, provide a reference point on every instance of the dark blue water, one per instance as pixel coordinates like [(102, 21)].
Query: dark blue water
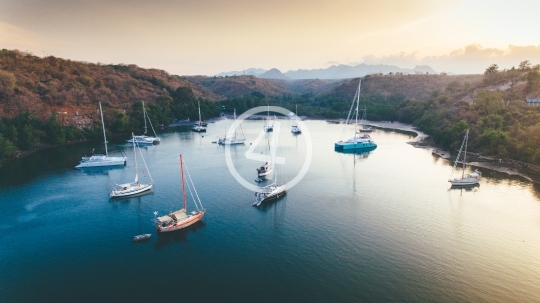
[(381, 227)]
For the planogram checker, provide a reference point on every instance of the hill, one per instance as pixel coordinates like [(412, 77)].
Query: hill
[(44, 86), (418, 86)]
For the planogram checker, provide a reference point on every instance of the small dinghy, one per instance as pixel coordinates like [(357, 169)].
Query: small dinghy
[(142, 237)]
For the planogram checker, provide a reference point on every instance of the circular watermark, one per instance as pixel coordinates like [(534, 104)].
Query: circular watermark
[(276, 109)]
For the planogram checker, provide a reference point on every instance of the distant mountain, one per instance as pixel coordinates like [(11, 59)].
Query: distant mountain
[(249, 71), (274, 73), (333, 72), (346, 71)]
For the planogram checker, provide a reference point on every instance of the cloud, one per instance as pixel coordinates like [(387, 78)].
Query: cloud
[(471, 59), (12, 37)]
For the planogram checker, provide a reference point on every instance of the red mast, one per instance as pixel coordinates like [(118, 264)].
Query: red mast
[(183, 181)]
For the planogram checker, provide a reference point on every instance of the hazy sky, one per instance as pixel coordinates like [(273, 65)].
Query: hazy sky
[(189, 37)]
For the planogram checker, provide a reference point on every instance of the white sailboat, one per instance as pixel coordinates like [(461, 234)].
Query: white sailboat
[(365, 128), (97, 160), (199, 127), (358, 141), (180, 219), (144, 139), (235, 140), (266, 169), (135, 187), (295, 128), (465, 179), (274, 190), (269, 126)]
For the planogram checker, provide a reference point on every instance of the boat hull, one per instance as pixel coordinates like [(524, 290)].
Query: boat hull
[(100, 162), (182, 224), (131, 191), (357, 145), (277, 193), (462, 183), (232, 142)]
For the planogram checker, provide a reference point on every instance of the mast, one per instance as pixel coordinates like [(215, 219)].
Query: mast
[(200, 122), (465, 139), (234, 138), (144, 117), (103, 126), (183, 181), (135, 159), (465, 155), (357, 103)]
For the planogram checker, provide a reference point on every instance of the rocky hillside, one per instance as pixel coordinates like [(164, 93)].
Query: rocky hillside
[(49, 85)]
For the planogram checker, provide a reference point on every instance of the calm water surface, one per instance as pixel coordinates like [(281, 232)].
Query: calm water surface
[(379, 227)]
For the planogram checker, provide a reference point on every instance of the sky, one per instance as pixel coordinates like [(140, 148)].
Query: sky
[(206, 37)]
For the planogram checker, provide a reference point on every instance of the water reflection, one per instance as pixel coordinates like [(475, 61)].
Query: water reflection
[(99, 171), (267, 205), (128, 199), (364, 152), (176, 236)]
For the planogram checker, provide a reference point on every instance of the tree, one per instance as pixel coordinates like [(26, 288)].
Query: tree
[(55, 131), (533, 79), (7, 149), (524, 65), (491, 71)]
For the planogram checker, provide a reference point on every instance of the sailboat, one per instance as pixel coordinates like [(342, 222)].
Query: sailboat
[(358, 141), (295, 128), (235, 139), (272, 191), (199, 127), (465, 179), (365, 128), (266, 169), (97, 160), (144, 139), (135, 187), (269, 126), (180, 219)]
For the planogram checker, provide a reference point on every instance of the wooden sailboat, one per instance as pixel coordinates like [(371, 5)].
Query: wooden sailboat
[(471, 179), (180, 219), (135, 187)]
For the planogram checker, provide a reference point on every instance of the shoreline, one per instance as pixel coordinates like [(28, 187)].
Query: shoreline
[(420, 141)]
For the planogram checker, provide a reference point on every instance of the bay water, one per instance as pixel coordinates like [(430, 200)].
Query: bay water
[(382, 226)]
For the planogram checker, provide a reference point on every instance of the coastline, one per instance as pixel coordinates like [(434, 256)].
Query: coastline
[(422, 141)]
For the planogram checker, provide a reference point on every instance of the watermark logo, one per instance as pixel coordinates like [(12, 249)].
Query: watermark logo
[(277, 159)]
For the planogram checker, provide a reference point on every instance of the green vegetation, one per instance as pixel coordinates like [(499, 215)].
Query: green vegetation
[(40, 96), (501, 123)]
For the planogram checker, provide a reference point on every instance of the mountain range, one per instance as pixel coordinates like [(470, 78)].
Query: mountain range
[(333, 72)]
